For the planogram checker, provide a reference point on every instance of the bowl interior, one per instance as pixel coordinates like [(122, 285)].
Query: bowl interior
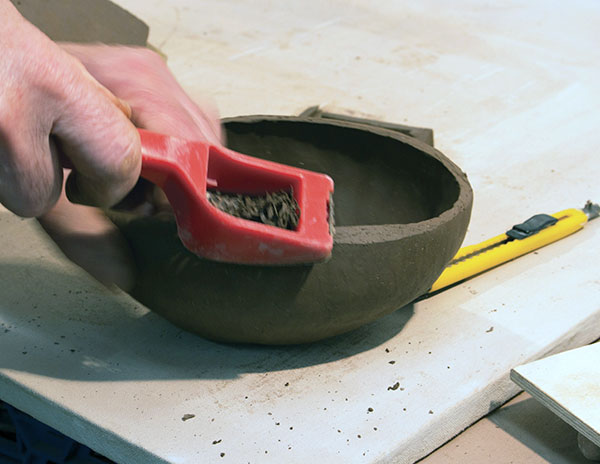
[(378, 180)]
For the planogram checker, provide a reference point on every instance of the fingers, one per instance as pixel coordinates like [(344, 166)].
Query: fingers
[(90, 240), (93, 130), (52, 110), (158, 102)]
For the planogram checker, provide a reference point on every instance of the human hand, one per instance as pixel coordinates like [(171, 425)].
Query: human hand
[(159, 104), (54, 114)]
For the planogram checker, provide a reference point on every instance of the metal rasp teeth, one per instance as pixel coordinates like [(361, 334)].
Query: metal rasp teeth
[(331, 216)]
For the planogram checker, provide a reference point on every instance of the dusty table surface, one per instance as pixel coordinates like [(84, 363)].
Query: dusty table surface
[(512, 93)]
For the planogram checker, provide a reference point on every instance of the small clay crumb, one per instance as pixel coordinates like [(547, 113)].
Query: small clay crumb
[(222, 454), (287, 384), (391, 362), (394, 387), (188, 417), (291, 428), (387, 350), (277, 423), (374, 428), (430, 411), (491, 329), (216, 442), (358, 436), (339, 431), (370, 410)]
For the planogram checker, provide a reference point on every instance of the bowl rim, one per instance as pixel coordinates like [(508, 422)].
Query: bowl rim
[(378, 233)]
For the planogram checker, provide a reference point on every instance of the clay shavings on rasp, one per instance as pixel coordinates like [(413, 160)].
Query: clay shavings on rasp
[(279, 209)]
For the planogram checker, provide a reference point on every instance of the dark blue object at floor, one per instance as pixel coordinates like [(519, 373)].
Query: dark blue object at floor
[(24, 440)]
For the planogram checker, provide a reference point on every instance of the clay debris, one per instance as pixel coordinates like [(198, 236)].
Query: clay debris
[(279, 209)]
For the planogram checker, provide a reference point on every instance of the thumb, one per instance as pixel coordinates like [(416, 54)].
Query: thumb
[(94, 132)]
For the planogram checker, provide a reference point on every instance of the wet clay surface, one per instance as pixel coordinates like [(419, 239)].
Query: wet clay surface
[(401, 211), (279, 209)]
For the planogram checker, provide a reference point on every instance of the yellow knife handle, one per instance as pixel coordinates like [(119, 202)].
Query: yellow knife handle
[(569, 221)]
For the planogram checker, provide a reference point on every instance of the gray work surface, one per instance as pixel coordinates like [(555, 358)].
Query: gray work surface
[(84, 21), (512, 92)]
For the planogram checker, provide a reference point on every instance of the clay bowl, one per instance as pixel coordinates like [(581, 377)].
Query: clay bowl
[(401, 208)]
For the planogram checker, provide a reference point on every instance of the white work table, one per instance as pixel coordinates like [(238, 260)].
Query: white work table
[(512, 91)]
